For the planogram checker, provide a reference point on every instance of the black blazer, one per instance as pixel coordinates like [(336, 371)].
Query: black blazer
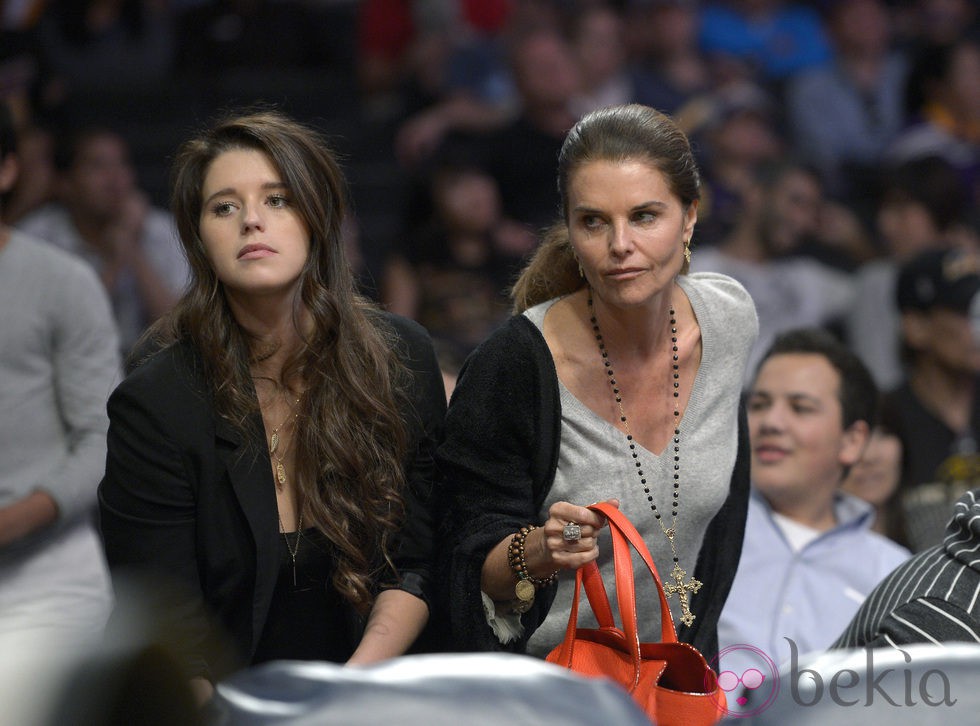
[(188, 503)]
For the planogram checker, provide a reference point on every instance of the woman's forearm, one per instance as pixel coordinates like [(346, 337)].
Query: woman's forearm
[(395, 622)]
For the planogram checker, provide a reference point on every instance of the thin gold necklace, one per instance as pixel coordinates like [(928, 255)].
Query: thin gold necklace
[(678, 587), (274, 451)]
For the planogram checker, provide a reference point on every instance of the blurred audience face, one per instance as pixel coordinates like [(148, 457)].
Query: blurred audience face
[(905, 226), (943, 338), (467, 202), (101, 178), (799, 444), (861, 27), (757, 7), (746, 136), (545, 72), (599, 45), (792, 211), (961, 93), (673, 28), (943, 21), (876, 475), (35, 182)]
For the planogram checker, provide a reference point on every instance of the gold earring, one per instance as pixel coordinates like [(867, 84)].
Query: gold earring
[(687, 251), (581, 272)]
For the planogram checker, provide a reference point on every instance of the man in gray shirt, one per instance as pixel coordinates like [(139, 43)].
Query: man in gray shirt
[(58, 361)]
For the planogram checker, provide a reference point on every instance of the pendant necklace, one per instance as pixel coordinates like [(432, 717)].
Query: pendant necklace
[(294, 548), (274, 451), (678, 587)]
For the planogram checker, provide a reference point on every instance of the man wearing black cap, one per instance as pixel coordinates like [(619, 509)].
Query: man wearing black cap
[(937, 410)]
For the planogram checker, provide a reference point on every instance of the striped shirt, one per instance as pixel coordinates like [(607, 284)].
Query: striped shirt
[(932, 598)]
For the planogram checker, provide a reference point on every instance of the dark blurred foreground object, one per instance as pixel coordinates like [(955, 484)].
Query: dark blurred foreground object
[(129, 679), (436, 690)]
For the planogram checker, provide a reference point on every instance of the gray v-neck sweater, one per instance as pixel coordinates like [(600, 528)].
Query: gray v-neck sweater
[(594, 461)]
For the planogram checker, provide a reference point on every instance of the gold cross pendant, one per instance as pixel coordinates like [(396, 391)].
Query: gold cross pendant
[(681, 589)]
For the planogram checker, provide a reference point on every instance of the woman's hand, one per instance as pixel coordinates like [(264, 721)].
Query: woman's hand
[(202, 690), (570, 554), (545, 549)]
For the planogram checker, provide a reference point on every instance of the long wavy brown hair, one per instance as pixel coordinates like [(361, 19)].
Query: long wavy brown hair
[(617, 133), (352, 439)]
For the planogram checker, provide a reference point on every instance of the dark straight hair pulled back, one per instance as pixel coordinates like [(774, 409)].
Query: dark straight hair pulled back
[(631, 132)]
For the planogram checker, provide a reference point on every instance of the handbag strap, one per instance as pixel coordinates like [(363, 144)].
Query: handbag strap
[(623, 534), (567, 643), (595, 591)]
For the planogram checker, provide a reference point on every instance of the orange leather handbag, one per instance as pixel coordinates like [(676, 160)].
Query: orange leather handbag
[(671, 681)]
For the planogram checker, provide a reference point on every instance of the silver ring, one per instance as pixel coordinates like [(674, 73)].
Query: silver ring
[(571, 532)]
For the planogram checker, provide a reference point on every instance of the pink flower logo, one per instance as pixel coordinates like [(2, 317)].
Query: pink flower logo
[(754, 689)]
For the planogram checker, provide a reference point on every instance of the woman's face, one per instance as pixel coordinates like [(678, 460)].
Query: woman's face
[(253, 235), (469, 204), (627, 229), (876, 476)]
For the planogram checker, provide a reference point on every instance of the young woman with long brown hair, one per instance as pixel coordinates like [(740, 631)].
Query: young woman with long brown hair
[(271, 456)]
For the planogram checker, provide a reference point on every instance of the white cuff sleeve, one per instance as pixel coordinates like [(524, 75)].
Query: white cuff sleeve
[(508, 627)]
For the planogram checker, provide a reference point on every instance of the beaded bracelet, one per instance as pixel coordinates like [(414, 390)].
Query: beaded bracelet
[(515, 557), (527, 585)]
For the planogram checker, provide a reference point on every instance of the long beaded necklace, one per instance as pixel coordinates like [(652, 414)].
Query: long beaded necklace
[(678, 587), (274, 451)]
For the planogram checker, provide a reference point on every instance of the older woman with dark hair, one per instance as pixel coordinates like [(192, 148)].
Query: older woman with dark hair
[(617, 379), (271, 455)]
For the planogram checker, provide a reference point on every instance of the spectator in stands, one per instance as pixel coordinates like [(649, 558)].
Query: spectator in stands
[(765, 252), (667, 65), (451, 273), (24, 74), (863, 92), (59, 358), (736, 132), (936, 410), (521, 155), (940, 22), (811, 408), (34, 186), (108, 43), (943, 108), (771, 39), (101, 214), (222, 36), (597, 36), (404, 46), (460, 81), (921, 205), (875, 478)]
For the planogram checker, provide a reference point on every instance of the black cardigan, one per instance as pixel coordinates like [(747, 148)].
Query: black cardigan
[(498, 462)]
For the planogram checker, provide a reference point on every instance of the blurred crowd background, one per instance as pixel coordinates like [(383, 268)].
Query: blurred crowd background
[(837, 139)]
